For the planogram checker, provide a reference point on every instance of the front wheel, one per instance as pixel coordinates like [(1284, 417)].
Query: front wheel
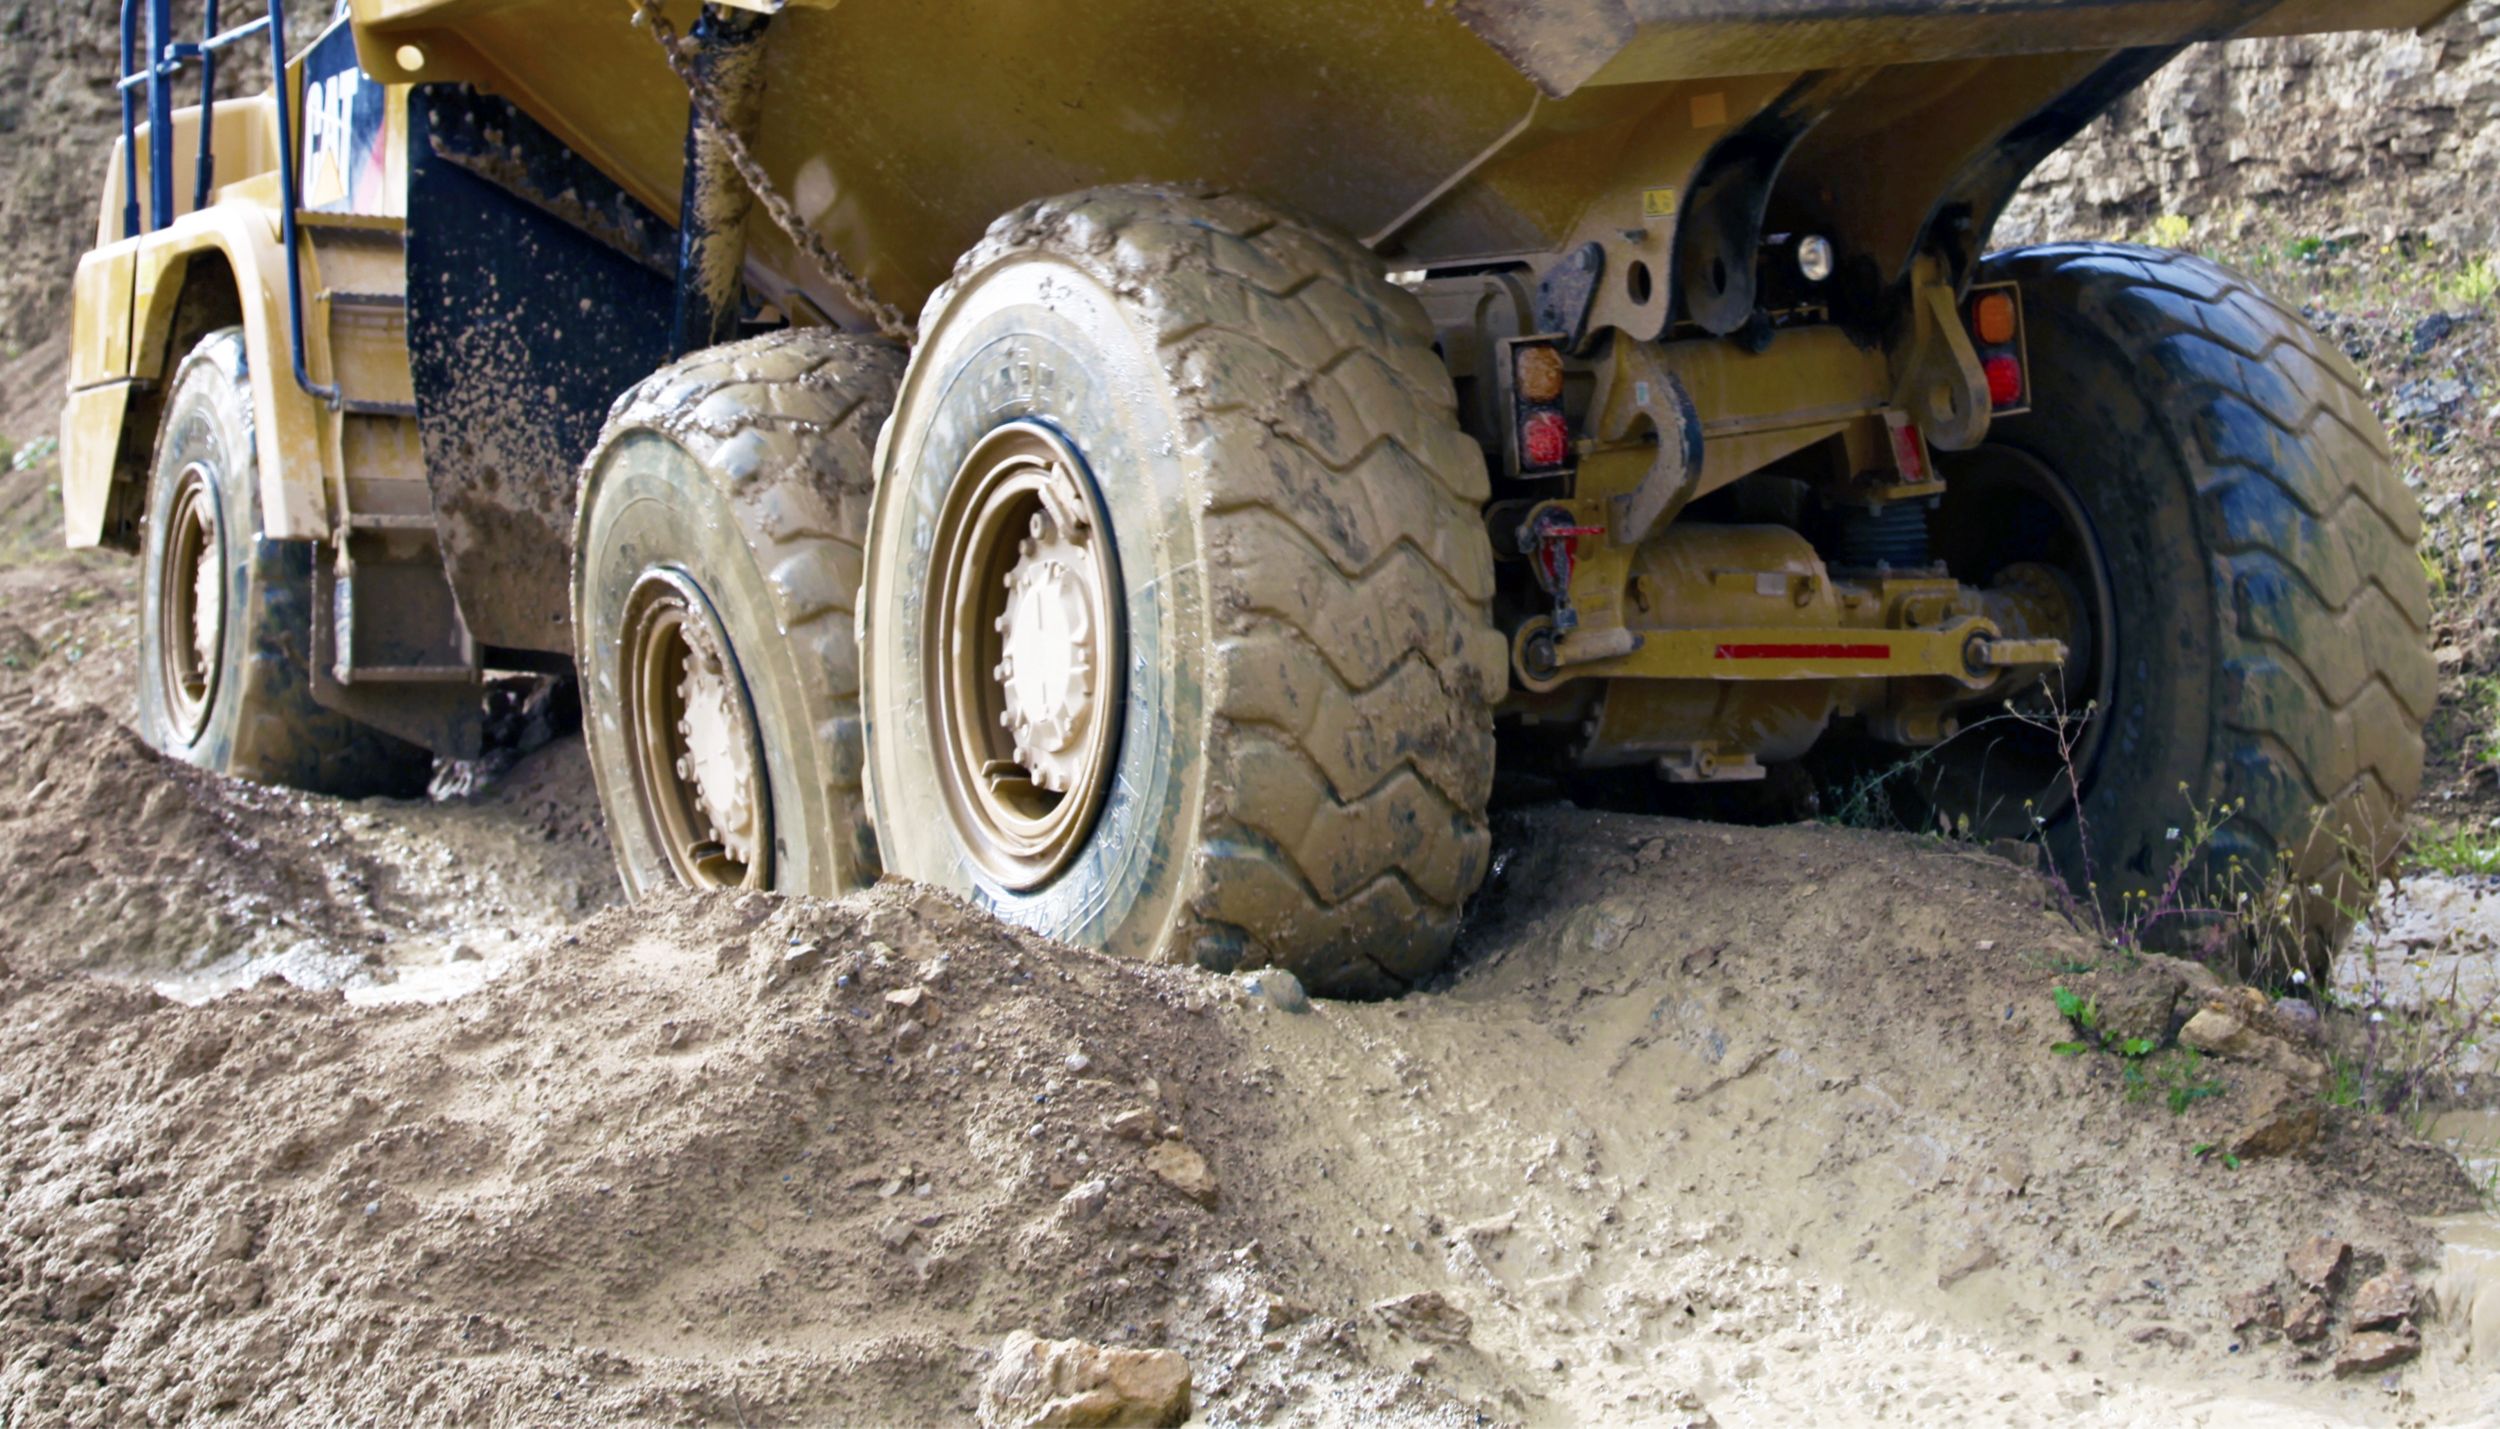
[(2204, 474), (225, 615), (1177, 639)]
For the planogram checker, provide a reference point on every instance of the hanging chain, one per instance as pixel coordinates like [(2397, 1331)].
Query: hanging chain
[(854, 289)]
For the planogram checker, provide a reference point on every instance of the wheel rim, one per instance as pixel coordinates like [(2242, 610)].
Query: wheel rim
[(697, 759), (191, 602), (2012, 522), (1025, 653)]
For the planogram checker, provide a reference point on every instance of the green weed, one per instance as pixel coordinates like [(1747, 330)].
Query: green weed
[(2474, 285), (2454, 852)]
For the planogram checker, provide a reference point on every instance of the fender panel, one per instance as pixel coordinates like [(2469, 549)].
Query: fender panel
[(107, 437)]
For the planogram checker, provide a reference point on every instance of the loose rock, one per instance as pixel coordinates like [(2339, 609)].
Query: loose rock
[(2318, 1261), (2282, 1119), (1072, 1384), (2376, 1350), (2306, 1324), (2134, 1002), (2261, 1308), (1183, 1170), (2382, 1300), (1278, 989), (1086, 1200), (1136, 1124), (1426, 1315), (2217, 1033)]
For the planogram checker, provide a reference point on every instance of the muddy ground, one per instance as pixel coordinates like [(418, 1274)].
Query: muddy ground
[(317, 1112), (1710, 1123)]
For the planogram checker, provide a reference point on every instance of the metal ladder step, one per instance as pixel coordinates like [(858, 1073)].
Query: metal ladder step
[(375, 302), (377, 521), (322, 226), (364, 407)]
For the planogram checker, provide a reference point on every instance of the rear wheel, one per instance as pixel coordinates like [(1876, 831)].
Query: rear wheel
[(1180, 642), (716, 569), (225, 616), (2206, 475)]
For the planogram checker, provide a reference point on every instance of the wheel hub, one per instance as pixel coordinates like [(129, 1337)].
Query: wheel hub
[(1049, 633), (191, 602), (1025, 653), (717, 761), (697, 759)]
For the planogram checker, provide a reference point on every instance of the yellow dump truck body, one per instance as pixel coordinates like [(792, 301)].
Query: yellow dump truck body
[(1447, 133)]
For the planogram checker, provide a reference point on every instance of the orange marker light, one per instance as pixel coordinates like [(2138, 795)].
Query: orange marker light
[(1540, 374), (1993, 318)]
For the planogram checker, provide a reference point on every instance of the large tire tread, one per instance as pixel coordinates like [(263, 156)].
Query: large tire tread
[(1357, 662), (2326, 673), (789, 420)]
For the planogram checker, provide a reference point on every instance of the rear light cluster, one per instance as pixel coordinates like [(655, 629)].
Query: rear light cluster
[(1994, 314), (1542, 432)]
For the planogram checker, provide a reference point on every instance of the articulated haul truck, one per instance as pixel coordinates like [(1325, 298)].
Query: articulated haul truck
[(1149, 467)]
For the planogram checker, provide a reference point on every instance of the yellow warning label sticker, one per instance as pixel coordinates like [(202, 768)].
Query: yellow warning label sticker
[(1657, 203)]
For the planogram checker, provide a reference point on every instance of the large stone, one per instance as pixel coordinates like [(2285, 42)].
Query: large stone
[(1183, 1170), (2218, 1034), (2382, 1300), (2318, 1261), (2376, 1350), (2306, 1322), (1073, 1384), (2279, 1119)]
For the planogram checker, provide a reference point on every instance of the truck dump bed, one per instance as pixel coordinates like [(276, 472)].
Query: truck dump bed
[(1441, 133)]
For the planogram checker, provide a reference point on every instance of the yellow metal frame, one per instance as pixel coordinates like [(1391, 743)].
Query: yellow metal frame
[(125, 296)]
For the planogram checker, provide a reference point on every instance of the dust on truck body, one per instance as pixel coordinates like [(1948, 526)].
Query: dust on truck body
[(1149, 467)]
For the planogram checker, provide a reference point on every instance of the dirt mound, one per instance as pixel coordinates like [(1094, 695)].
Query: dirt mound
[(1724, 1110), (116, 859), (1754, 1124), (711, 1161)]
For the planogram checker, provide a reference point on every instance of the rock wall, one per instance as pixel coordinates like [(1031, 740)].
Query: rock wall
[(2381, 131)]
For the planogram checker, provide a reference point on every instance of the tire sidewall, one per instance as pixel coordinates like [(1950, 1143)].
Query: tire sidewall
[(2094, 427), (651, 505), (208, 422), (1037, 340)]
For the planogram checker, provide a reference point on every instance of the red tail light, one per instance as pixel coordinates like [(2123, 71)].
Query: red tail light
[(1544, 440), (2005, 380)]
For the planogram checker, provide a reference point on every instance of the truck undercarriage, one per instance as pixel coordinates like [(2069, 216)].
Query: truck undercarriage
[(1609, 391)]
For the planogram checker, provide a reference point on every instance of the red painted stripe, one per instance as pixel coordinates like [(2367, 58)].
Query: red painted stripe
[(1804, 652)]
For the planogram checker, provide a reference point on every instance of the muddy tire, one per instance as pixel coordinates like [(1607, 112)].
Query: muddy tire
[(1279, 744), (225, 615), (2269, 651), (716, 568)]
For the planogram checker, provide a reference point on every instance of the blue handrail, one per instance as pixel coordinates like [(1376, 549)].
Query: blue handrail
[(166, 59)]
